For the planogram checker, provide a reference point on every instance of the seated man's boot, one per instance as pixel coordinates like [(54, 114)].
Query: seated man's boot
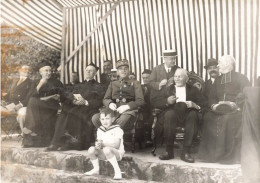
[(187, 158), (169, 154)]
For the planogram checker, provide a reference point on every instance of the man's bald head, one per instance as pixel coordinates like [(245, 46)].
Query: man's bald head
[(181, 77)]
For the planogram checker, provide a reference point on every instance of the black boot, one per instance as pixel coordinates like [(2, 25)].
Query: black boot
[(185, 155), (169, 154)]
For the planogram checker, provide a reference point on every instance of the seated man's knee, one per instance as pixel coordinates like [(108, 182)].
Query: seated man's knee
[(193, 114), (170, 114), (21, 114)]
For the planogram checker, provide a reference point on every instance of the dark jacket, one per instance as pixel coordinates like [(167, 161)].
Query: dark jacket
[(20, 92), (158, 74), (91, 90), (192, 94)]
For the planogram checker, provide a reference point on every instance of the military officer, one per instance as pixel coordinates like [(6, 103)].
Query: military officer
[(123, 95)]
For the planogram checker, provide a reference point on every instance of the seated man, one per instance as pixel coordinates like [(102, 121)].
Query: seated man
[(83, 101), (147, 109), (42, 108), (180, 104), (221, 138), (213, 72), (18, 94), (123, 95)]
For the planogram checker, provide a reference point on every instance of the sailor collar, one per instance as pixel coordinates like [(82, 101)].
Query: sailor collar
[(109, 128)]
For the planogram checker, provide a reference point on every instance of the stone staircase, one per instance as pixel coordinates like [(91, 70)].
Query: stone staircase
[(33, 165)]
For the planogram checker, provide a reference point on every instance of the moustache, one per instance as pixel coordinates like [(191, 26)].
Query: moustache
[(213, 72)]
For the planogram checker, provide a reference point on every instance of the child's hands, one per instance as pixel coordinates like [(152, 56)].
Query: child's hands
[(99, 144)]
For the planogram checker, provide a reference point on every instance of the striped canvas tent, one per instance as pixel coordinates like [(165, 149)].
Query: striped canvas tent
[(96, 30)]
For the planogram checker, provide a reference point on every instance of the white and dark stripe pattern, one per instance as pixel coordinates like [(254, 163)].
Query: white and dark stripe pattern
[(39, 19), (140, 30)]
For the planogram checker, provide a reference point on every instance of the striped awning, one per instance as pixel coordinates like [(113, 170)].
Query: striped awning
[(39, 19), (140, 30)]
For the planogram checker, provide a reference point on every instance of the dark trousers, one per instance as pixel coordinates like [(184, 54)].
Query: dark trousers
[(187, 118), (61, 124)]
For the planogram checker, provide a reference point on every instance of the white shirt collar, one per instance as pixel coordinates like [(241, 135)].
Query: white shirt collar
[(167, 68)]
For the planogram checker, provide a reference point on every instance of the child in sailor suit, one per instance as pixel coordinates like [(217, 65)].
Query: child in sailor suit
[(109, 145)]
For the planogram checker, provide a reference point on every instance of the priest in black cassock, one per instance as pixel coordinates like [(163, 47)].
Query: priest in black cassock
[(42, 108), (221, 136), (85, 99)]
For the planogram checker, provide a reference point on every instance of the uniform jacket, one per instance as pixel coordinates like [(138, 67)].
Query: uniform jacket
[(158, 74), (128, 90), (192, 94), (20, 92)]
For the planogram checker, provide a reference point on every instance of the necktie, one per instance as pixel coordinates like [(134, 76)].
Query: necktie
[(169, 70)]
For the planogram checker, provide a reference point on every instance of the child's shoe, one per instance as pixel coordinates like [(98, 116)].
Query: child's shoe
[(92, 172), (118, 175)]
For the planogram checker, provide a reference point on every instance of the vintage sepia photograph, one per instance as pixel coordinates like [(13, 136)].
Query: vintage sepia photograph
[(130, 91)]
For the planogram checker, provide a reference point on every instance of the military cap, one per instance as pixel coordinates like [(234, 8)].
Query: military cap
[(211, 62), (169, 53), (122, 62), (147, 71), (94, 65)]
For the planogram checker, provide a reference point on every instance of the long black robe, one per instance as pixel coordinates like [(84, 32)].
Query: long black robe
[(221, 135), (78, 119), (41, 115)]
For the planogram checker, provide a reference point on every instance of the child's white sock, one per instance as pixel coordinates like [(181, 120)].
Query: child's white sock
[(95, 170), (116, 167)]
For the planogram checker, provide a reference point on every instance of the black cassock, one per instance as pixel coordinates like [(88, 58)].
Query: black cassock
[(41, 115), (221, 136), (78, 119)]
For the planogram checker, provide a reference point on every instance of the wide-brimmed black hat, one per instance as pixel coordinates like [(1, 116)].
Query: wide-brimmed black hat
[(94, 65), (211, 62), (43, 64)]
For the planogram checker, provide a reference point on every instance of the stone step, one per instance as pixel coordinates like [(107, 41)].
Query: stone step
[(14, 173), (140, 165)]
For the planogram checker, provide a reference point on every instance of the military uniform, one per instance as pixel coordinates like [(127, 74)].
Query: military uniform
[(123, 92)]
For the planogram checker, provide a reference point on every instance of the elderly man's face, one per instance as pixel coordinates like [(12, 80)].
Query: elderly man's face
[(90, 72), (213, 71), (24, 71), (225, 66), (46, 72), (107, 67), (123, 71), (180, 78), (145, 78), (169, 61)]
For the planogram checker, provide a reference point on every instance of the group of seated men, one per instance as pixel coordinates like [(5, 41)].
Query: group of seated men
[(217, 107)]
